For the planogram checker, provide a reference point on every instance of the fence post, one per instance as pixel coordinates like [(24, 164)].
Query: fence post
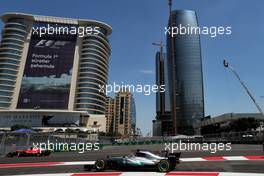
[(28, 140), (2, 144)]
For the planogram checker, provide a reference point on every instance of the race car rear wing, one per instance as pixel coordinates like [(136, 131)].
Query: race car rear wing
[(166, 153)]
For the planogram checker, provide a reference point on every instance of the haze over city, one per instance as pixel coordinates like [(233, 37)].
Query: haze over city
[(131, 87), (137, 24)]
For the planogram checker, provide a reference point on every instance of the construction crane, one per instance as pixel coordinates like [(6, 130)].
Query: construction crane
[(227, 65)]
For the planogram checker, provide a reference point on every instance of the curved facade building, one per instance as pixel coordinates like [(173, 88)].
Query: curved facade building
[(52, 64), (93, 71), (188, 72), (11, 49)]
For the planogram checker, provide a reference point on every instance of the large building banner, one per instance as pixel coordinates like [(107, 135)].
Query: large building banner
[(47, 73)]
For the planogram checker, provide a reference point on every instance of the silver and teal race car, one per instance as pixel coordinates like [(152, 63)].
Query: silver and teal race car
[(141, 160)]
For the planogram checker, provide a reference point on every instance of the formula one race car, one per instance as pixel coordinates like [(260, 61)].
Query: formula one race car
[(29, 152), (140, 160)]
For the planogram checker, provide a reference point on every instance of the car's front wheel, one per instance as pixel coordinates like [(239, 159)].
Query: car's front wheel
[(87, 167), (164, 166), (100, 165)]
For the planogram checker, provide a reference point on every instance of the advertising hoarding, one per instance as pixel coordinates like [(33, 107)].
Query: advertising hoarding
[(47, 73)]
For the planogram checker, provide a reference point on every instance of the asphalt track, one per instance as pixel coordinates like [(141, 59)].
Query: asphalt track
[(215, 165)]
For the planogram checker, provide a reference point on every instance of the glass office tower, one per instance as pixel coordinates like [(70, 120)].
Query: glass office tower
[(188, 72), (163, 118), (160, 104)]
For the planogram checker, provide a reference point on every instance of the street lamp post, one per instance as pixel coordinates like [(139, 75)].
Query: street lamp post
[(227, 65)]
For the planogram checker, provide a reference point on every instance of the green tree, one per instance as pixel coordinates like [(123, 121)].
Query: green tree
[(244, 124)]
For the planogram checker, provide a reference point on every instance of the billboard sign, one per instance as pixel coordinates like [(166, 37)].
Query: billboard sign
[(47, 73)]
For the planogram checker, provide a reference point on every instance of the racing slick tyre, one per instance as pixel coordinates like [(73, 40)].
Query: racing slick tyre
[(164, 166), (11, 154), (99, 165), (46, 153), (172, 166)]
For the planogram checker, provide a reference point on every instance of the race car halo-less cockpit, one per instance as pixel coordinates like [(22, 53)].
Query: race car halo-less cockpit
[(140, 160)]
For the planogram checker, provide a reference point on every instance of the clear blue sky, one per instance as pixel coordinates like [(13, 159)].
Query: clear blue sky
[(138, 23)]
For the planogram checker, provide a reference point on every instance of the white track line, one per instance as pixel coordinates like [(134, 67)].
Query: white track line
[(240, 174), (154, 174), (191, 159), (235, 158), (77, 163)]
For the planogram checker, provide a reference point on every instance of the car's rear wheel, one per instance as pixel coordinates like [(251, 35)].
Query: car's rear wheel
[(172, 166), (11, 154), (100, 165), (164, 166), (47, 153)]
